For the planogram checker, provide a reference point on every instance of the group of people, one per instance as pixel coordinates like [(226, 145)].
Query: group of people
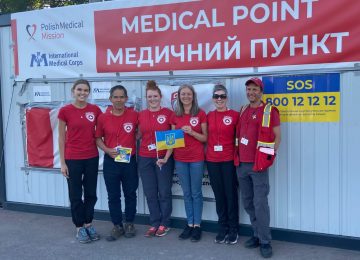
[(231, 140)]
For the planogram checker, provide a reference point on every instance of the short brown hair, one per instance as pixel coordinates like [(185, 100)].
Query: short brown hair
[(81, 81)]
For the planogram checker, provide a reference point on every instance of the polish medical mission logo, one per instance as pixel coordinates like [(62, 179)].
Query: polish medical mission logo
[(174, 100), (194, 121), (161, 119), (128, 127), (31, 30), (227, 120), (90, 116)]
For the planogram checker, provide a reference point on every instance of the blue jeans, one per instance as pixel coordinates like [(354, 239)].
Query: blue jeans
[(124, 174), (157, 188), (190, 175)]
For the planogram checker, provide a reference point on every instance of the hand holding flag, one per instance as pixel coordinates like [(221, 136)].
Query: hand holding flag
[(169, 139), (166, 140)]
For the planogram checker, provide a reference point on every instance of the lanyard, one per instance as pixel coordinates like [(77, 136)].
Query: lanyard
[(218, 128)]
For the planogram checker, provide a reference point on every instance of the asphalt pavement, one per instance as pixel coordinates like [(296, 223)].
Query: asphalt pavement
[(36, 236)]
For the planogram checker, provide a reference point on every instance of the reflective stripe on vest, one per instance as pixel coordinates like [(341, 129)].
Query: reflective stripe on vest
[(266, 116), (266, 123), (264, 144)]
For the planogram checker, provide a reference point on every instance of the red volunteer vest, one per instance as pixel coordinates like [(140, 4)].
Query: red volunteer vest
[(266, 139)]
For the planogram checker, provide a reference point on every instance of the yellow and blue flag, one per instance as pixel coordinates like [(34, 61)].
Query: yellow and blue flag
[(169, 139)]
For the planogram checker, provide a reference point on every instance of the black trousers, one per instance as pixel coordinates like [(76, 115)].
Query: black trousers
[(119, 175), (224, 183), (82, 184)]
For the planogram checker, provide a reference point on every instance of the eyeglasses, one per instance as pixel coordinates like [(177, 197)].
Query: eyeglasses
[(222, 96)]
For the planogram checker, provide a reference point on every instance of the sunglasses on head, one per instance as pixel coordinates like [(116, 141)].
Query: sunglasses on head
[(222, 96)]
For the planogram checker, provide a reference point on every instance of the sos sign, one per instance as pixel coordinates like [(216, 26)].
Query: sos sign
[(302, 84), (299, 84), (304, 98)]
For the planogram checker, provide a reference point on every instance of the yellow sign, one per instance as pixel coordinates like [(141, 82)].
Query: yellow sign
[(312, 98)]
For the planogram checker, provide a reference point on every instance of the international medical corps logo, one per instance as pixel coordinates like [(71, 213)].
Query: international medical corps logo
[(31, 30), (161, 119), (227, 120), (128, 127), (90, 116), (39, 59), (194, 121)]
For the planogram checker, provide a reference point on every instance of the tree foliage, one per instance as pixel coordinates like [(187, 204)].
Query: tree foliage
[(13, 6)]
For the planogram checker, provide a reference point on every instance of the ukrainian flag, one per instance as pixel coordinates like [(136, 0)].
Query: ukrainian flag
[(169, 139)]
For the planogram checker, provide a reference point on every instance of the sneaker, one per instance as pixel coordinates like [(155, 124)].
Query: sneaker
[(92, 233), (162, 231), (253, 242), (232, 238), (266, 250), (196, 234), (186, 233), (116, 233), (82, 236), (221, 236), (150, 232), (129, 230)]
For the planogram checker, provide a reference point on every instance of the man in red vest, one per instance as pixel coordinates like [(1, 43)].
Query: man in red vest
[(254, 184)]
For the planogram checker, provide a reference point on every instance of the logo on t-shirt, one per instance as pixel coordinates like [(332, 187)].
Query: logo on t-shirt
[(90, 116), (161, 119), (227, 120), (128, 127), (194, 121)]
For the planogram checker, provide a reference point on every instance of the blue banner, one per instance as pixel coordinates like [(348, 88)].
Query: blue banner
[(302, 84)]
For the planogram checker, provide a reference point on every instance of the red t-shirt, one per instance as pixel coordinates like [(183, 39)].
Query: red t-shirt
[(80, 131), (118, 130), (194, 149), (149, 122), (249, 124), (221, 132)]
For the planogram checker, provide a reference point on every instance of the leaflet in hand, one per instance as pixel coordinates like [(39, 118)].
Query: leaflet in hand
[(124, 154)]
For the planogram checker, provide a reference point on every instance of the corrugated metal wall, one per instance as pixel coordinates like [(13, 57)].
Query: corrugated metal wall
[(314, 184)]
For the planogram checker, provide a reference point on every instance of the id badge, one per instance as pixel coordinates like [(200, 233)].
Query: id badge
[(151, 147), (218, 148), (244, 141)]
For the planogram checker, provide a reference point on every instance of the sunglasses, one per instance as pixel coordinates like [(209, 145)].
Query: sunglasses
[(222, 96)]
